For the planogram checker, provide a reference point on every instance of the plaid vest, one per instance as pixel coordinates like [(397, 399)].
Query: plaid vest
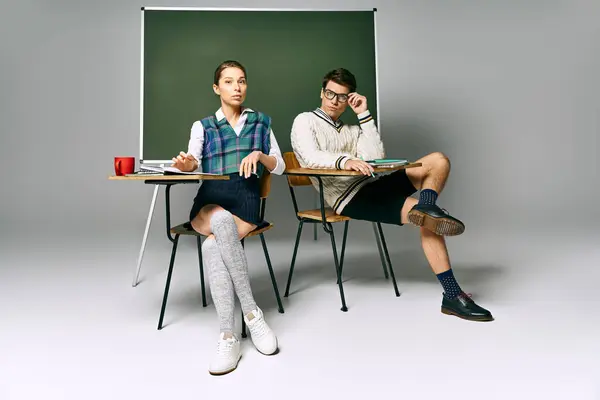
[(223, 150)]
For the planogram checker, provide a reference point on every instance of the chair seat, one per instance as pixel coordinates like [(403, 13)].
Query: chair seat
[(186, 229), (258, 231), (330, 215)]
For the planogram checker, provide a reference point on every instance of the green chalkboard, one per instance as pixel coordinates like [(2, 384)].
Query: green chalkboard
[(286, 55)]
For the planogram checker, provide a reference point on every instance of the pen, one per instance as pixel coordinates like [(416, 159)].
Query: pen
[(372, 174)]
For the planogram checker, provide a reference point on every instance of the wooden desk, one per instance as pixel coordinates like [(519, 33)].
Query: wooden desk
[(157, 181), (169, 178), (342, 172)]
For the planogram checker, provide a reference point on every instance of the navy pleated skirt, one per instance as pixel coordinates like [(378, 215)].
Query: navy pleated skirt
[(238, 195)]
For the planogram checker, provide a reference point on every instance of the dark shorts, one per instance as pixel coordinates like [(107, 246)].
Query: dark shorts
[(238, 195), (381, 200)]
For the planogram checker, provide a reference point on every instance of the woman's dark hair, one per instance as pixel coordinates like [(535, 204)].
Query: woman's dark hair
[(341, 76), (228, 64)]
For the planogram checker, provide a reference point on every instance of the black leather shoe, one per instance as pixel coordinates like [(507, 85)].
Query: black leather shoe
[(464, 307), (435, 219)]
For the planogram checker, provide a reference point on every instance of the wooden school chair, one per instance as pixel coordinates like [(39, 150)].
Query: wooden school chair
[(186, 229), (315, 216)]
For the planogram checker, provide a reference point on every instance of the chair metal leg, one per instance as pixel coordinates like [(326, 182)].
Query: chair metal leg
[(387, 257), (337, 267), (343, 247), (273, 280), (377, 239), (166, 294), (244, 334), (145, 238), (199, 242), (316, 206), (243, 320), (298, 235)]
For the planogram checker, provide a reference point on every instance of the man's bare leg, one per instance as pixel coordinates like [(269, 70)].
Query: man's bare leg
[(431, 179), (454, 301), (433, 174)]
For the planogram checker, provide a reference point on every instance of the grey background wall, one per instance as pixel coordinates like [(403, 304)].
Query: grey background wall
[(508, 89)]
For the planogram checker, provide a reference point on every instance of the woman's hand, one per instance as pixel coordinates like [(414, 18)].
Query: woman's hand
[(249, 164), (185, 162)]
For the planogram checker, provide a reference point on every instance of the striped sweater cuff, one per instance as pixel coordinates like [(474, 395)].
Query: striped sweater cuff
[(339, 163), (365, 117)]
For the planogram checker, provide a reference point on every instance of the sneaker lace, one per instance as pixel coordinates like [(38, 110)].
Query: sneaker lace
[(224, 347), (259, 328)]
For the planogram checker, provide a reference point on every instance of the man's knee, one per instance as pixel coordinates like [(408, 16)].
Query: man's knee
[(441, 159)]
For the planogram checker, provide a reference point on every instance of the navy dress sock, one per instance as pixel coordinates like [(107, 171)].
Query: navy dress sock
[(428, 196), (451, 287)]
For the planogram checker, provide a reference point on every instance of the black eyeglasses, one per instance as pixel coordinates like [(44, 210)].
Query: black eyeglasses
[(329, 94)]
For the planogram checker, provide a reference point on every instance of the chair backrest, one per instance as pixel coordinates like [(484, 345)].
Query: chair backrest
[(265, 183), (292, 162)]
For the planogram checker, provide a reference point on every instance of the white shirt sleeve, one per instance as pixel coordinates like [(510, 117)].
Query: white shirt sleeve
[(275, 152), (196, 143)]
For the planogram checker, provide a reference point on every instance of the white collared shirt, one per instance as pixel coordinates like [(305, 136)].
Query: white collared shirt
[(196, 142)]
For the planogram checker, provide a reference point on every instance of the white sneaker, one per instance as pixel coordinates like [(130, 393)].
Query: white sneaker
[(227, 357), (262, 336)]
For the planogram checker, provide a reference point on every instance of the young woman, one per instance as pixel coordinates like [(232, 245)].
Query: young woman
[(238, 142)]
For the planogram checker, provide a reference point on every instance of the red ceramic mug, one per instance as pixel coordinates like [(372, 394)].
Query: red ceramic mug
[(124, 165)]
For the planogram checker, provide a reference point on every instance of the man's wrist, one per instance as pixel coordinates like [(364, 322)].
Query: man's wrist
[(341, 163), (364, 117)]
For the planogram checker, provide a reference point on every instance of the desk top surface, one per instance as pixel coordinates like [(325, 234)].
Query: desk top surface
[(289, 171), (342, 172), (175, 177)]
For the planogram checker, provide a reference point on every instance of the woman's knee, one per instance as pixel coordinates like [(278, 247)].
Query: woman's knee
[(221, 216), (222, 221), (201, 222)]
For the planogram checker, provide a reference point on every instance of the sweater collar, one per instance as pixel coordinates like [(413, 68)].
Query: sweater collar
[(324, 116)]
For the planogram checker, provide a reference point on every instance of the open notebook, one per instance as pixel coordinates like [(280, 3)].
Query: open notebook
[(169, 171)]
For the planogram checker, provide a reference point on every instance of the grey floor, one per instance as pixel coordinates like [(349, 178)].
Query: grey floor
[(74, 328)]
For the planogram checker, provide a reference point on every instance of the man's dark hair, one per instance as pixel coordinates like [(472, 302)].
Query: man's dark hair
[(341, 76), (228, 64)]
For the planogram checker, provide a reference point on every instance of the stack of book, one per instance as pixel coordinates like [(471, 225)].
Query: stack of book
[(388, 162)]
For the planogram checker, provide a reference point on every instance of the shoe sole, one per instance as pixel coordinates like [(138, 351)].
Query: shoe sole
[(448, 311), (440, 226), (228, 371), (268, 354)]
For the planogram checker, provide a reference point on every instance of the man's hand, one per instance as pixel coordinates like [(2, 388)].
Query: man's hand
[(185, 162), (358, 165), (357, 102), (250, 163)]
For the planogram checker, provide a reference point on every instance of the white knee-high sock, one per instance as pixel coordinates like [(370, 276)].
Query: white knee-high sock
[(221, 286), (226, 234)]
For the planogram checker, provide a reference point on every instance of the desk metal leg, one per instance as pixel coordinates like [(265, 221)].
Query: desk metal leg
[(148, 221), (168, 211)]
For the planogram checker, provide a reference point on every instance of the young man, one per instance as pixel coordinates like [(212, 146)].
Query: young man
[(321, 140)]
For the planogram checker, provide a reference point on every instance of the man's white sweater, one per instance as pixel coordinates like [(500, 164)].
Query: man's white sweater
[(319, 142)]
